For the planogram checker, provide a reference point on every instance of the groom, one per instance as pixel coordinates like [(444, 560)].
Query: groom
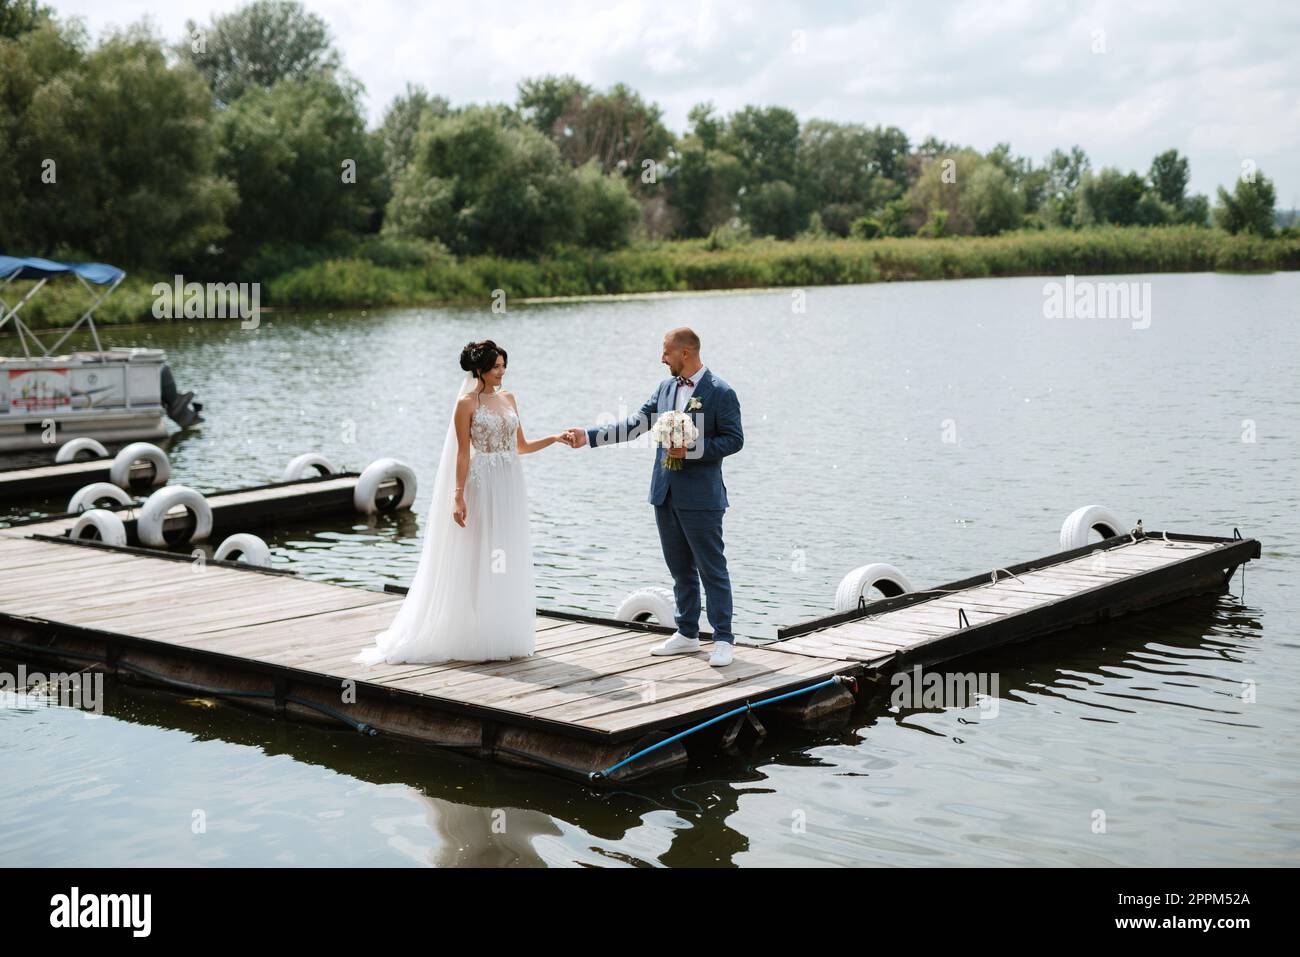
[(689, 503)]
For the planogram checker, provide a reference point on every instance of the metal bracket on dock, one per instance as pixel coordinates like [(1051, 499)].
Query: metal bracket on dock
[(112, 653), (487, 738), (753, 719), (281, 690)]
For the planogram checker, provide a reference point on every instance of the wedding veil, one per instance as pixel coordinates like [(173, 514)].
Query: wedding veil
[(431, 605)]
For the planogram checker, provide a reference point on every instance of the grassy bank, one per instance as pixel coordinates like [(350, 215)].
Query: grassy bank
[(698, 265)]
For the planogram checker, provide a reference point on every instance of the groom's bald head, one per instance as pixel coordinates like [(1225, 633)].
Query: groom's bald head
[(681, 350), (683, 337)]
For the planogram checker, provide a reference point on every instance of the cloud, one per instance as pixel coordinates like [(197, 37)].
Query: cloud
[(1219, 82)]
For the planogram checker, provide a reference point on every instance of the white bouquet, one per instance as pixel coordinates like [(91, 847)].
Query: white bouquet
[(674, 430)]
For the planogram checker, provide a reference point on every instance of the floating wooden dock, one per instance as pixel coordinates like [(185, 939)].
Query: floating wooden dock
[(591, 696), (233, 510), (44, 480)]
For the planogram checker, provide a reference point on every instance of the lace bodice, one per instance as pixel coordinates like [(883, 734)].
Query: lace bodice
[(493, 431)]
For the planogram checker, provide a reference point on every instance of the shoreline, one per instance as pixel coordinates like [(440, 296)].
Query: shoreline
[(691, 267)]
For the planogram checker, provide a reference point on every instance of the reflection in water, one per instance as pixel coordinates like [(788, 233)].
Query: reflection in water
[(944, 427)]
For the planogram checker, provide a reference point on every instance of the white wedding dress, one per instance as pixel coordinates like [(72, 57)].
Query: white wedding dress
[(473, 596)]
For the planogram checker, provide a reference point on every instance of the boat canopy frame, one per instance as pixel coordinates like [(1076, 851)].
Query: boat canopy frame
[(42, 270)]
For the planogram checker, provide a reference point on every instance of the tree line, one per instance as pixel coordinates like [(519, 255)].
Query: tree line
[(242, 147)]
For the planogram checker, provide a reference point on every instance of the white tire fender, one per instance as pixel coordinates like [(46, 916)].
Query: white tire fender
[(119, 472), (149, 526), (645, 604), (882, 577)]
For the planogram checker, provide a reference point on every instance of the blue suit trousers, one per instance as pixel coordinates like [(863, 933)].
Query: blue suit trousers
[(692, 546)]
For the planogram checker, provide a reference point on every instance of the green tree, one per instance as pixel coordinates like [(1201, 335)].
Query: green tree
[(704, 187), (707, 126), (1065, 171), (19, 16), (306, 170), (1028, 181), (107, 153), (1110, 197), (838, 173), (605, 211), (397, 131), (482, 182), (889, 149), (939, 189), (1154, 211), (766, 141), (257, 46), (541, 101), (1249, 207), (618, 129), (1169, 175), (990, 201), (1195, 210), (773, 209)]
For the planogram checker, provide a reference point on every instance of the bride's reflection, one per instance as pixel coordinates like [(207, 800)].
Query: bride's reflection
[(472, 836)]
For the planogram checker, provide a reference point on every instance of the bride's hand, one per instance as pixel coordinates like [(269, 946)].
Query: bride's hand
[(564, 437), (461, 512)]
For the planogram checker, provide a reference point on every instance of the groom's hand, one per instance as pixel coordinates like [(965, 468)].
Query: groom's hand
[(577, 437)]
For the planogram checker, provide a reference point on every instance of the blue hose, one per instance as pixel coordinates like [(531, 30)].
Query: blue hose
[(834, 679)]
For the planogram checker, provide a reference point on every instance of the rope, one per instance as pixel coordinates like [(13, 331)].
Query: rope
[(358, 726), (747, 706)]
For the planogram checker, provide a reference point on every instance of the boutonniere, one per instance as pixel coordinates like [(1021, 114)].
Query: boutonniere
[(694, 404)]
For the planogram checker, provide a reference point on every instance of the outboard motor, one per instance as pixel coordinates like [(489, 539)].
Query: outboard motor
[(180, 406)]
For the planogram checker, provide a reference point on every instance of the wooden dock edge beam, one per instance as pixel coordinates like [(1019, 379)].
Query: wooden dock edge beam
[(301, 697)]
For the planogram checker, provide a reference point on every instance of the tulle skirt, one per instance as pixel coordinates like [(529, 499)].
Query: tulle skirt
[(473, 597)]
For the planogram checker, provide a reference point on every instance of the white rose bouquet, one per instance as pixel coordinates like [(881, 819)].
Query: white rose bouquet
[(674, 430)]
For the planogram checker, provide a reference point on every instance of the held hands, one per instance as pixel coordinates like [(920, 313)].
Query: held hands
[(574, 438)]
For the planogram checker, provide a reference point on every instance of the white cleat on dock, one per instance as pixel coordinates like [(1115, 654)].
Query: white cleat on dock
[(677, 644)]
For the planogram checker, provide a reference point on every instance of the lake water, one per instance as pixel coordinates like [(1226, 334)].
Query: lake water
[(946, 427)]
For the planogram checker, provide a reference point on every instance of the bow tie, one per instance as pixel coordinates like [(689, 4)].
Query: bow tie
[(682, 380)]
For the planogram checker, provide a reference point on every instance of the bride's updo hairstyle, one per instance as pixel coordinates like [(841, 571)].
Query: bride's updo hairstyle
[(480, 357)]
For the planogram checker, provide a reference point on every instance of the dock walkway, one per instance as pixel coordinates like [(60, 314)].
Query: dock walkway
[(591, 694)]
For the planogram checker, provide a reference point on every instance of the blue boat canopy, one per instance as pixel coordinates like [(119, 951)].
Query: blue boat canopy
[(41, 271), (33, 267)]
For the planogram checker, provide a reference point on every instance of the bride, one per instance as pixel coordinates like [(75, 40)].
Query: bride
[(472, 598)]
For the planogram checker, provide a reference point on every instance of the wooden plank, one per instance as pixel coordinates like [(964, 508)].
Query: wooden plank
[(265, 495), (854, 639), (944, 617), (682, 692), (885, 629), (752, 689), (195, 588), (483, 677), (431, 673), (815, 645), (25, 568), (55, 470), (218, 615), (306, 637), (648, 683)]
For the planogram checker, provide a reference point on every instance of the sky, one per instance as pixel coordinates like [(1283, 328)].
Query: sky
[(1220, 82)]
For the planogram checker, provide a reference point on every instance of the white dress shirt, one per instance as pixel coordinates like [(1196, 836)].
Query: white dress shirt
[(685, 392)]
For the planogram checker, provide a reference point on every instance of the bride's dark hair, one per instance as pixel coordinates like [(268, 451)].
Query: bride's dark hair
[(480, 357)]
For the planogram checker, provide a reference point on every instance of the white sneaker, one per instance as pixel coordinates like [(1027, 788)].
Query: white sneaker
[(678, 644), (721, 656)]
